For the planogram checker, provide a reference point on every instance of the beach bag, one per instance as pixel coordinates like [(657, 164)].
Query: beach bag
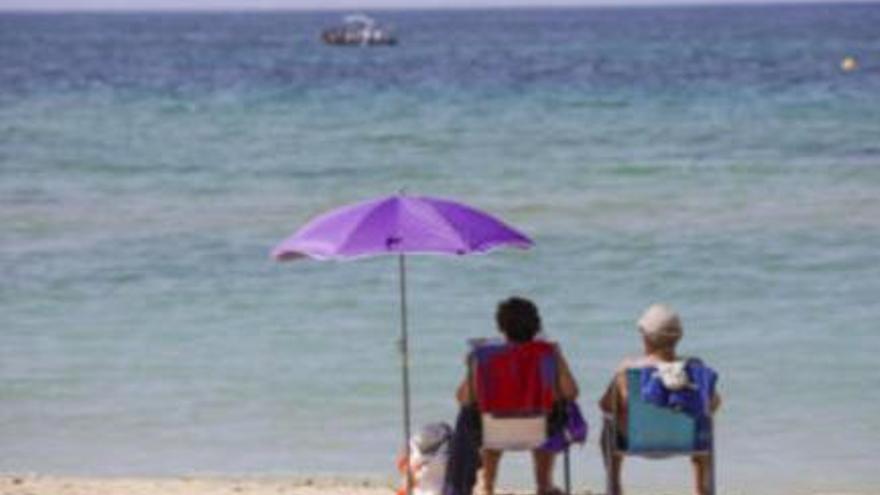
[(429, 456), (566, 426)]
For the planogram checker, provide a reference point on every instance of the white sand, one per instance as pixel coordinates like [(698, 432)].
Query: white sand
[(12, 484), (56, 485)]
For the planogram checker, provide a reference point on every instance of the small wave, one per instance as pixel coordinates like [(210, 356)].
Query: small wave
[(634, 170)]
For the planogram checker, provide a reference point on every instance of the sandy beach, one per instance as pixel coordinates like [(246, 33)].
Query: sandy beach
[(60, 485), (196, 485), (33, 484)]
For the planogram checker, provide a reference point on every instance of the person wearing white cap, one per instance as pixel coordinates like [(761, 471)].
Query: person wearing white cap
[(661, 330)]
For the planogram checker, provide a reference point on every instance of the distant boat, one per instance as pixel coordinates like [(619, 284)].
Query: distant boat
[(359, 30)]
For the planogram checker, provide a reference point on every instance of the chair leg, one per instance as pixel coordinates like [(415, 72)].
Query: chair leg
[(608, 482), (709, 489), (711, 481), (608, 457), (566, 467)]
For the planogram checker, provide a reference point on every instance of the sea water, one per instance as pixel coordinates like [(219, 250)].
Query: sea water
[(717, 159)]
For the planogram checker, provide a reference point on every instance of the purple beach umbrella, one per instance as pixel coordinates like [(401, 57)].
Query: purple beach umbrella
[(400, 225)]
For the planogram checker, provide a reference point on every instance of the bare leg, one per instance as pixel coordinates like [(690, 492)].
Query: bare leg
[(543, 462), (701, 474), (615, 487), (613, 463), (490, 459)]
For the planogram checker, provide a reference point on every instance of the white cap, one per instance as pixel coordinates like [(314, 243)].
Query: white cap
[(660, 322)]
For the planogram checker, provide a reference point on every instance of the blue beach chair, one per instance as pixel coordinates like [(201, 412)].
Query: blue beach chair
[(657, 432)]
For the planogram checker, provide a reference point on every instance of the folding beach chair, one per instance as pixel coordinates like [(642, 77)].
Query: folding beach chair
[(657, 432), (516, 386)]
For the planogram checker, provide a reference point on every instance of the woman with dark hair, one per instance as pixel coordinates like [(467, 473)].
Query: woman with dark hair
[(518, 321)]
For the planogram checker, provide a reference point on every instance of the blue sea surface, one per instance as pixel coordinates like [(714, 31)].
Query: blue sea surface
[(718, 159)]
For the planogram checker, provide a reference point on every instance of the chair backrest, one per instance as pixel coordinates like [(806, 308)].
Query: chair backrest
[(515, 388), (515, 379), (658, 430)]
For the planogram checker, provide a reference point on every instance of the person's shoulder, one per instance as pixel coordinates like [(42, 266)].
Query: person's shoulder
[(696, 363), (631, 362)]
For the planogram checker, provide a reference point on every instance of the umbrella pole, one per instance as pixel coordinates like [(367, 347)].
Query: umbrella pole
[(404, 365)]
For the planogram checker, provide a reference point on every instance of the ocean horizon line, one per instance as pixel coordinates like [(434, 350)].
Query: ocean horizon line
[(256, 9)]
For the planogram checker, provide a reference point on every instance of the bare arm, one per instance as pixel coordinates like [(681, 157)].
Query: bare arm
[(606, 402), (614, 392), (463, 393), (568, 387)]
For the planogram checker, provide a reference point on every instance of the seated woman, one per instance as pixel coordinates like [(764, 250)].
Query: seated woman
[(661, 330), (519, 322)]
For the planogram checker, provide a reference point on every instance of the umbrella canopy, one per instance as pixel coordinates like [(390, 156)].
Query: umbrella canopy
[(400, 225)]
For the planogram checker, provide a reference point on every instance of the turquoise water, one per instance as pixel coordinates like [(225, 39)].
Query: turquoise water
[(715, 159)]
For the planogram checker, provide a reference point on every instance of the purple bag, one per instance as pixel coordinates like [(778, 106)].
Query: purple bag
[(574, 429)]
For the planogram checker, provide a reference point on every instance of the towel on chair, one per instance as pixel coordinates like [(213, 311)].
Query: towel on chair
[(516, 379), (693, 399)]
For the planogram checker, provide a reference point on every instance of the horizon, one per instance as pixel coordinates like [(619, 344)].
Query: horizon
[(171, 6)]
